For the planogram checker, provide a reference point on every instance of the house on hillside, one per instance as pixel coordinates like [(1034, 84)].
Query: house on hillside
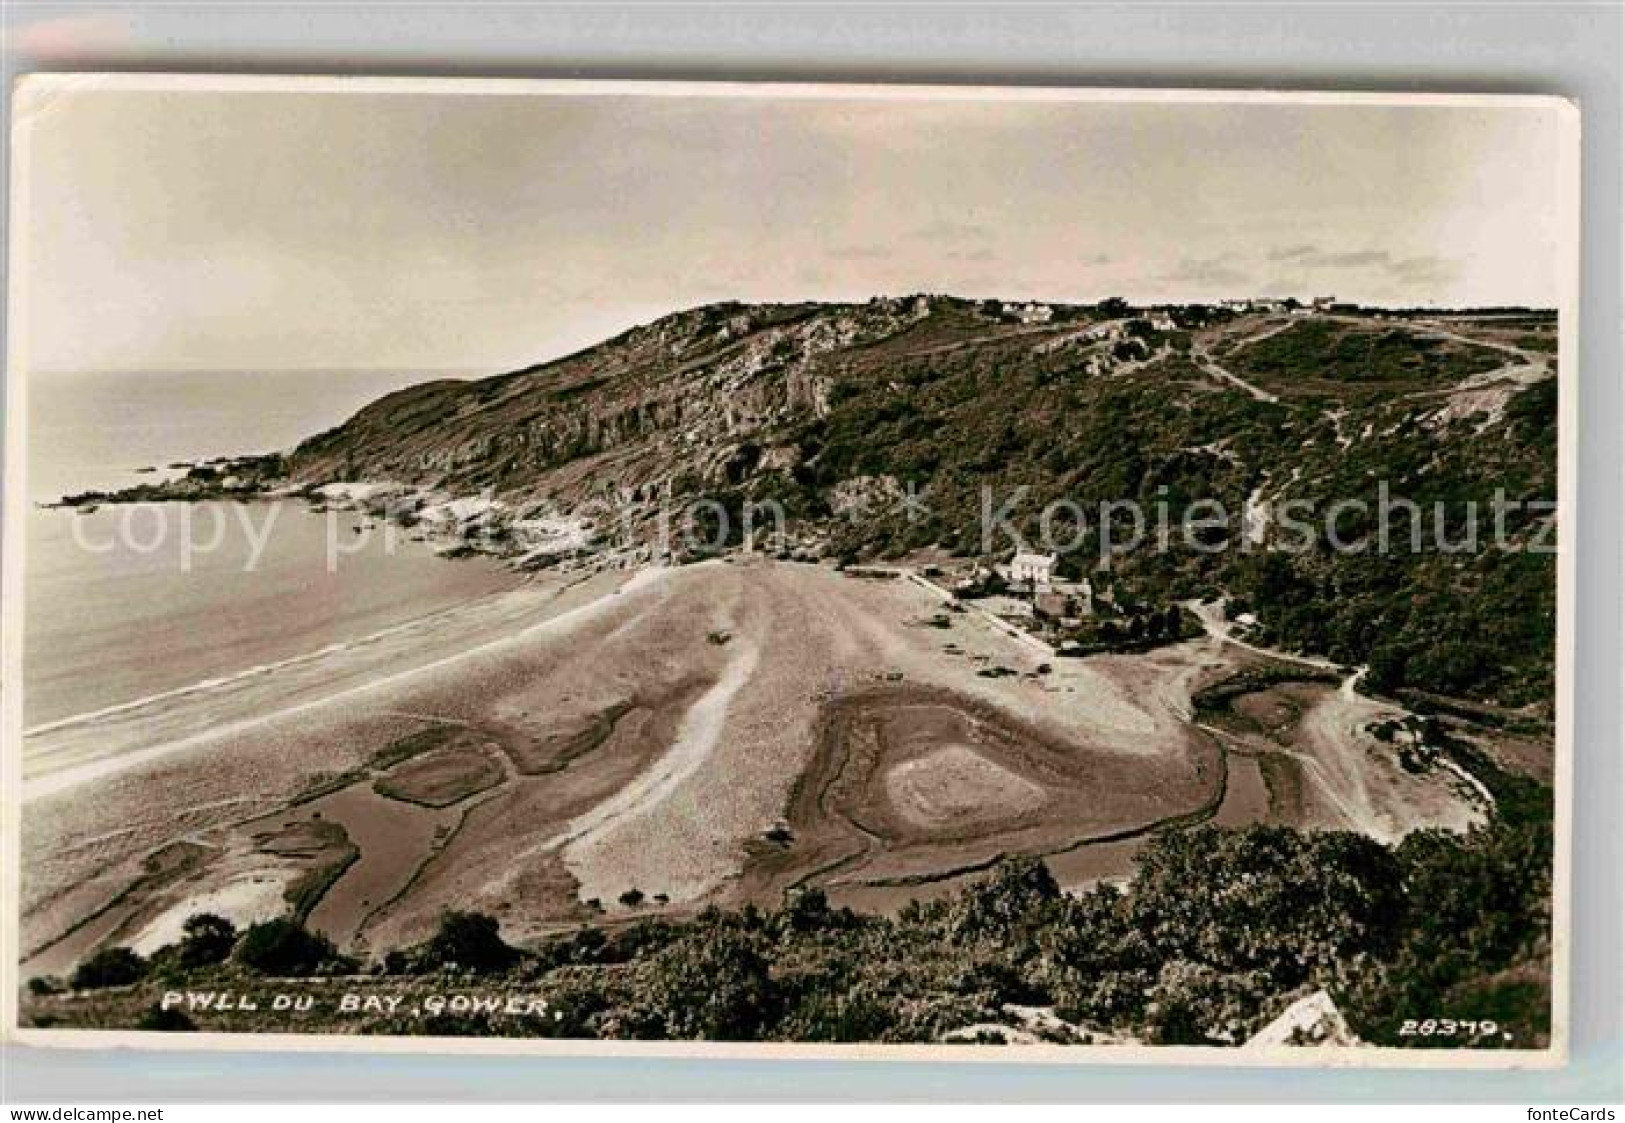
[(1323, 303), (1034, 570)]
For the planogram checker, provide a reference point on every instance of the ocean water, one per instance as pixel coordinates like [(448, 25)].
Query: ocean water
[(132, 601)]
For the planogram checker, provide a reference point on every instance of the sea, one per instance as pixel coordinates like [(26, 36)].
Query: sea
[(134, 601)]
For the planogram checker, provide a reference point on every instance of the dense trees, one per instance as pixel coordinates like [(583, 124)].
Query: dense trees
[(1477, 623), (1477, 942), (208, 939), (1287, 903), (711, 985)]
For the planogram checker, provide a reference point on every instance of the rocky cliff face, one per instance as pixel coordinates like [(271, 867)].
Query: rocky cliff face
[(688, 402)]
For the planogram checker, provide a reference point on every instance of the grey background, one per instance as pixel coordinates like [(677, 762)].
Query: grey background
[(1568, 49)]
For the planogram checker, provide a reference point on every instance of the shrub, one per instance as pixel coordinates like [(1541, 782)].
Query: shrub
[(209, 939), (805, 910), (158, 1018), (284, 947), (110, 967), (1272, 899)]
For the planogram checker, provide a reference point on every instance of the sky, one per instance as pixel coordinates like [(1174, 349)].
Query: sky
[(258, 230)]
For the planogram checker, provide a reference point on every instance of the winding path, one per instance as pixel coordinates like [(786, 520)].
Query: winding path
[(1201, 357)]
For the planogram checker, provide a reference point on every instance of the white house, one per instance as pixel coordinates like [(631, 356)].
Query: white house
[(1036, 569)]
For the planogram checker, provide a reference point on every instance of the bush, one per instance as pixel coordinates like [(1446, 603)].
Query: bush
[(1192, 1004), (853, 1015), (284, 947), (710, 986), (110, 967), (158, 1018), (209, 939), (469, 940), (1216, 933)]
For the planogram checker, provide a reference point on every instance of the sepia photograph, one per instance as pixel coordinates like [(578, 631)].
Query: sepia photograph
[(789, 570)]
